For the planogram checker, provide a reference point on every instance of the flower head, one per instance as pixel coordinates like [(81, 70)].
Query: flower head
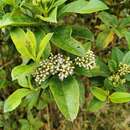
[(55, 64), (43, 71), (124, 69), (88, 62), (65, 69)]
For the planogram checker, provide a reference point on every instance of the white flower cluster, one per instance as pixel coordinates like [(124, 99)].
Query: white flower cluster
[(57, 64), (62, 66), (88, 62), (43, 71)]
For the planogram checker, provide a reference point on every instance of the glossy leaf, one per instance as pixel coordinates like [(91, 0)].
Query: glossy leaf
[(95, 105), (108, 19), (120, 97), (58, 3), (22, 70), (22, 80), (62, 39), (84, 7), (89, 73), (126, 58), (31, 41), (112, 64), (125, 22), (18, 37), (10, 2), (82, 32), (82, 93), (104, 39), (15, 99), (127, 36), (43, 45), (117, 55), (9, 20), (66, 95), (99, 93)]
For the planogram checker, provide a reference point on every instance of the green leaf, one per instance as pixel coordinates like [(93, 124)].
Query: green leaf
[(95, 105), (10, 2), (58, 3), (22, 80), (18, 37), (47, 51), (62, 39), (99, 93), (22, 70), (120, 97), (3, 84), (9, 20), (119, 31), (32, 99), (35, 122), (15, 99), (66, 95), (87, 46), (3, 81), (2, 74), (84, 7), (82, 93), (31, 41), (104, 39), (2, 4), (48, 99), (82, 32), (125, 22), (126, 58), (51, 18), (108, 19), (89, 73), (117, 55), (127, 36), (112, 64), (127, 77), (43, 45), (101, 69), (25, 125)]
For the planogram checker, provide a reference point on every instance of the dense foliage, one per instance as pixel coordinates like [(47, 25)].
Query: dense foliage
[(66, 55)]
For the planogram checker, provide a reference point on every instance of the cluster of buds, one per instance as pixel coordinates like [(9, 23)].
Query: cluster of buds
[(57, 64), (118, 78), (88, 62), (63, 66), (124, 69)]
